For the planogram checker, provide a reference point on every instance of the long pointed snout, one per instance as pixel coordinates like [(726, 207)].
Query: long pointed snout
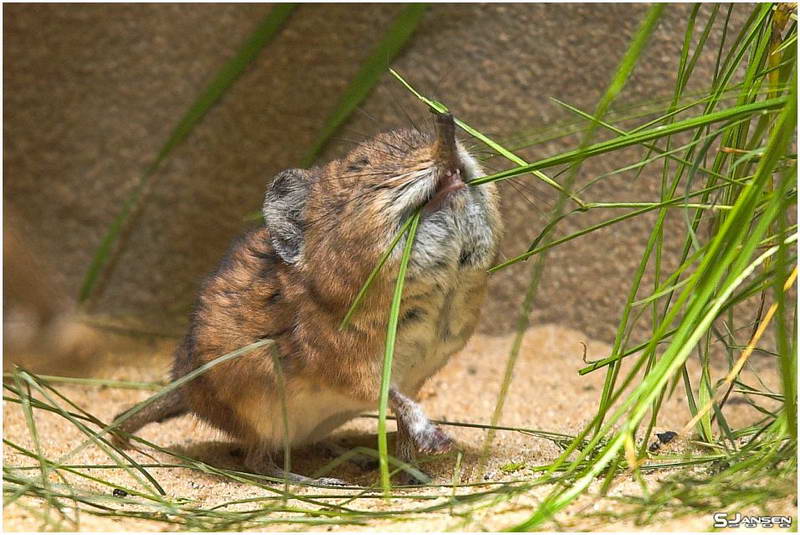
[(445, 152), (445, 156)]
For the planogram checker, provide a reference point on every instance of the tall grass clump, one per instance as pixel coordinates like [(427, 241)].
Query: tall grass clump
[(739, 171), (724, 151)]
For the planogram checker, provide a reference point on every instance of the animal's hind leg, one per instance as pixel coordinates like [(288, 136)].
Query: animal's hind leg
[(259, 460)]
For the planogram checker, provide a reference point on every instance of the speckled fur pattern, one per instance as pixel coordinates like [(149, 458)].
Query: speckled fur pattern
[(293, 280)]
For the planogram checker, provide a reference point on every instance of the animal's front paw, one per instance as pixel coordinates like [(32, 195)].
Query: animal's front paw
[(433, 440)]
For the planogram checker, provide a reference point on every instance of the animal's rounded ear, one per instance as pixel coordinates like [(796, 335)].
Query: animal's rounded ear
[(284, 207)]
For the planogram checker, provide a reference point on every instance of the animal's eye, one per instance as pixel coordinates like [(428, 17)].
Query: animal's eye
[(358, 165)]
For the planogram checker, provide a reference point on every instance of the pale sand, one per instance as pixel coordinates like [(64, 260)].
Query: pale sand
[(546, 394)]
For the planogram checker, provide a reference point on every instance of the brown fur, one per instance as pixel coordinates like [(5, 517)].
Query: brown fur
[(350, 212)]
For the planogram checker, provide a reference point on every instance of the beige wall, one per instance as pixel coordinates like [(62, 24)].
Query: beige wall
[(92, 91)]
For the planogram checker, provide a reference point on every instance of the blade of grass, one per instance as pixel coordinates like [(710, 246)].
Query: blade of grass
[(623, 72), (391, 334), (30, 421), (786, 336), (362, 292), (113, 453), (734, 372), (660, 152), (702, 309), (592, 228), (562, 129), (637, 138), (168, 388), (596, 365), (92, 381)]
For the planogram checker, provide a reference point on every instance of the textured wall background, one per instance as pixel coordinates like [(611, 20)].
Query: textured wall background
[(92, 91)]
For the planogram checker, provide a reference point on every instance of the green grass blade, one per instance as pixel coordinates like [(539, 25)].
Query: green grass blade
[(391, 334), (596, 365), (638, 138), (784, 334), (30, 421), (93, 381), (722, 270), (661, 153), (392, 43), (263, 34), (101, 443), (362, 292), (534, 250), (623, 72)]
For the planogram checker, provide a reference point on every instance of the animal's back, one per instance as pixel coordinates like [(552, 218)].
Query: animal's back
[(247, 299), (240, 303)]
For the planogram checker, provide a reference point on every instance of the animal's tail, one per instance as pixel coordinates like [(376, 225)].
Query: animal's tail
[(168, 406)]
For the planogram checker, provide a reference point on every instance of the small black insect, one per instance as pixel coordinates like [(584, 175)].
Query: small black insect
[(663, 438), (119, 493)]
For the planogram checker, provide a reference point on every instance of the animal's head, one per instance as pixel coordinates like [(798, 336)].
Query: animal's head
[(348, 211)]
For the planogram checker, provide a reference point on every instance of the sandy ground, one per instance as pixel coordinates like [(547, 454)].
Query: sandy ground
[(546, 393)]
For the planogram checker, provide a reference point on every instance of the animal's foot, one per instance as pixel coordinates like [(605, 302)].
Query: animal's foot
[(432, 440)]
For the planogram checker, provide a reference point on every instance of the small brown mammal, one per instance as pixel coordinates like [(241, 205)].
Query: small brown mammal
[(294, 279)]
